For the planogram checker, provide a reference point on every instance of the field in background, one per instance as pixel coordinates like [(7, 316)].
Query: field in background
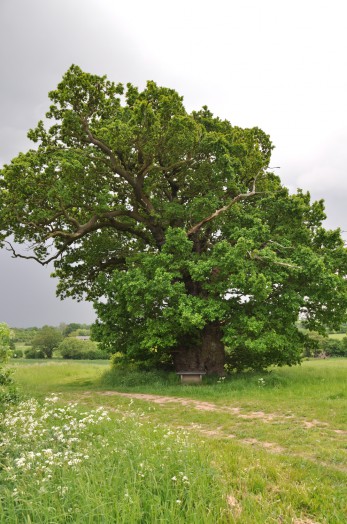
[(337, 336), (22, 347), (249, 449)]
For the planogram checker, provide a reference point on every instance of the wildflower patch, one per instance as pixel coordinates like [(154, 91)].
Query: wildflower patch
[(61, 463), (42, 438)]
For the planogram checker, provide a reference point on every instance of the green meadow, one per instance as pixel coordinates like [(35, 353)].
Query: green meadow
[(92, 445), (337, 336)]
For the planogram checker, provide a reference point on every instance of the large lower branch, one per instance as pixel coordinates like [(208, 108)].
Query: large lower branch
[(100, 220), (37, 259), (107, 220)]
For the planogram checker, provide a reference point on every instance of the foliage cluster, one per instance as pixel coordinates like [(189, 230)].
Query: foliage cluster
[(24, 335), (44, 341), (8, 393), (319, 346), (73, 348)]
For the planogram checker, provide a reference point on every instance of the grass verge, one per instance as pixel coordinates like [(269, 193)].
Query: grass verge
[(253, 448)]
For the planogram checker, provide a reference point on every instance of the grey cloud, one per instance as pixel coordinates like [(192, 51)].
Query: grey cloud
[(27, 296), (39, 40)]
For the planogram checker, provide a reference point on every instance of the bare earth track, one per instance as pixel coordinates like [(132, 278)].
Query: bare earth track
[(235, 412)]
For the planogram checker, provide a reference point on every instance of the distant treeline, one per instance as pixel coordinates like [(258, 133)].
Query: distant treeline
[(320, 347), (25, 336), (71, 341)]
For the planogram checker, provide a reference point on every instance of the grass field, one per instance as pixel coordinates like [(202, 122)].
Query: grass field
[(337, 336), (141, 448)]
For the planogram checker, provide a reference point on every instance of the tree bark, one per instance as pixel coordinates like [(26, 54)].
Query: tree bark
[(208, 355)]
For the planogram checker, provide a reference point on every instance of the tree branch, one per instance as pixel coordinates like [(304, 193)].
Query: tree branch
[(68, 218), (270, 260), (135, 184), (92, 225), (97, 222), (32, 257), (198, 226), (103, 147)]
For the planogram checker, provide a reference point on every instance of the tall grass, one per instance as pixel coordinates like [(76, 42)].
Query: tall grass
[(40, 377), (61, 464), (252, 448)]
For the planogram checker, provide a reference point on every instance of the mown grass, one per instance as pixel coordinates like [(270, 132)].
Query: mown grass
[(261, 448)]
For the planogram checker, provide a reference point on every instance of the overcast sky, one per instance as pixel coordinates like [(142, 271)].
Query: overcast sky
[(278, 65)]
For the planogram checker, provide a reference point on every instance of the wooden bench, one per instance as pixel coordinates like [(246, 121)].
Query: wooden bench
[(191, 377)]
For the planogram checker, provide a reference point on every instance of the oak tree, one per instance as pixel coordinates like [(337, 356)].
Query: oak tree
[(175, 227)]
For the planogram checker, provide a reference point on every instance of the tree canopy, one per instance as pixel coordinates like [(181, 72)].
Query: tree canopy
[(45, 341), (174, 225)]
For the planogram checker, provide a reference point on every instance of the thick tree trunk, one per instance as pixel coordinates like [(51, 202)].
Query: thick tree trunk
[(208, 355)]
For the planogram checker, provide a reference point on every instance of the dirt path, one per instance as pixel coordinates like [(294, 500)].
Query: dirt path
[(196, 404), (235, 412), (210, 406)]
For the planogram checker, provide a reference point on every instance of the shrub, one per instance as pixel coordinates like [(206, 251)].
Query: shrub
[(72, 348), (319, 346), (16, 353), (34, 353), (336, 348), (96, 354), (8, 392)]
